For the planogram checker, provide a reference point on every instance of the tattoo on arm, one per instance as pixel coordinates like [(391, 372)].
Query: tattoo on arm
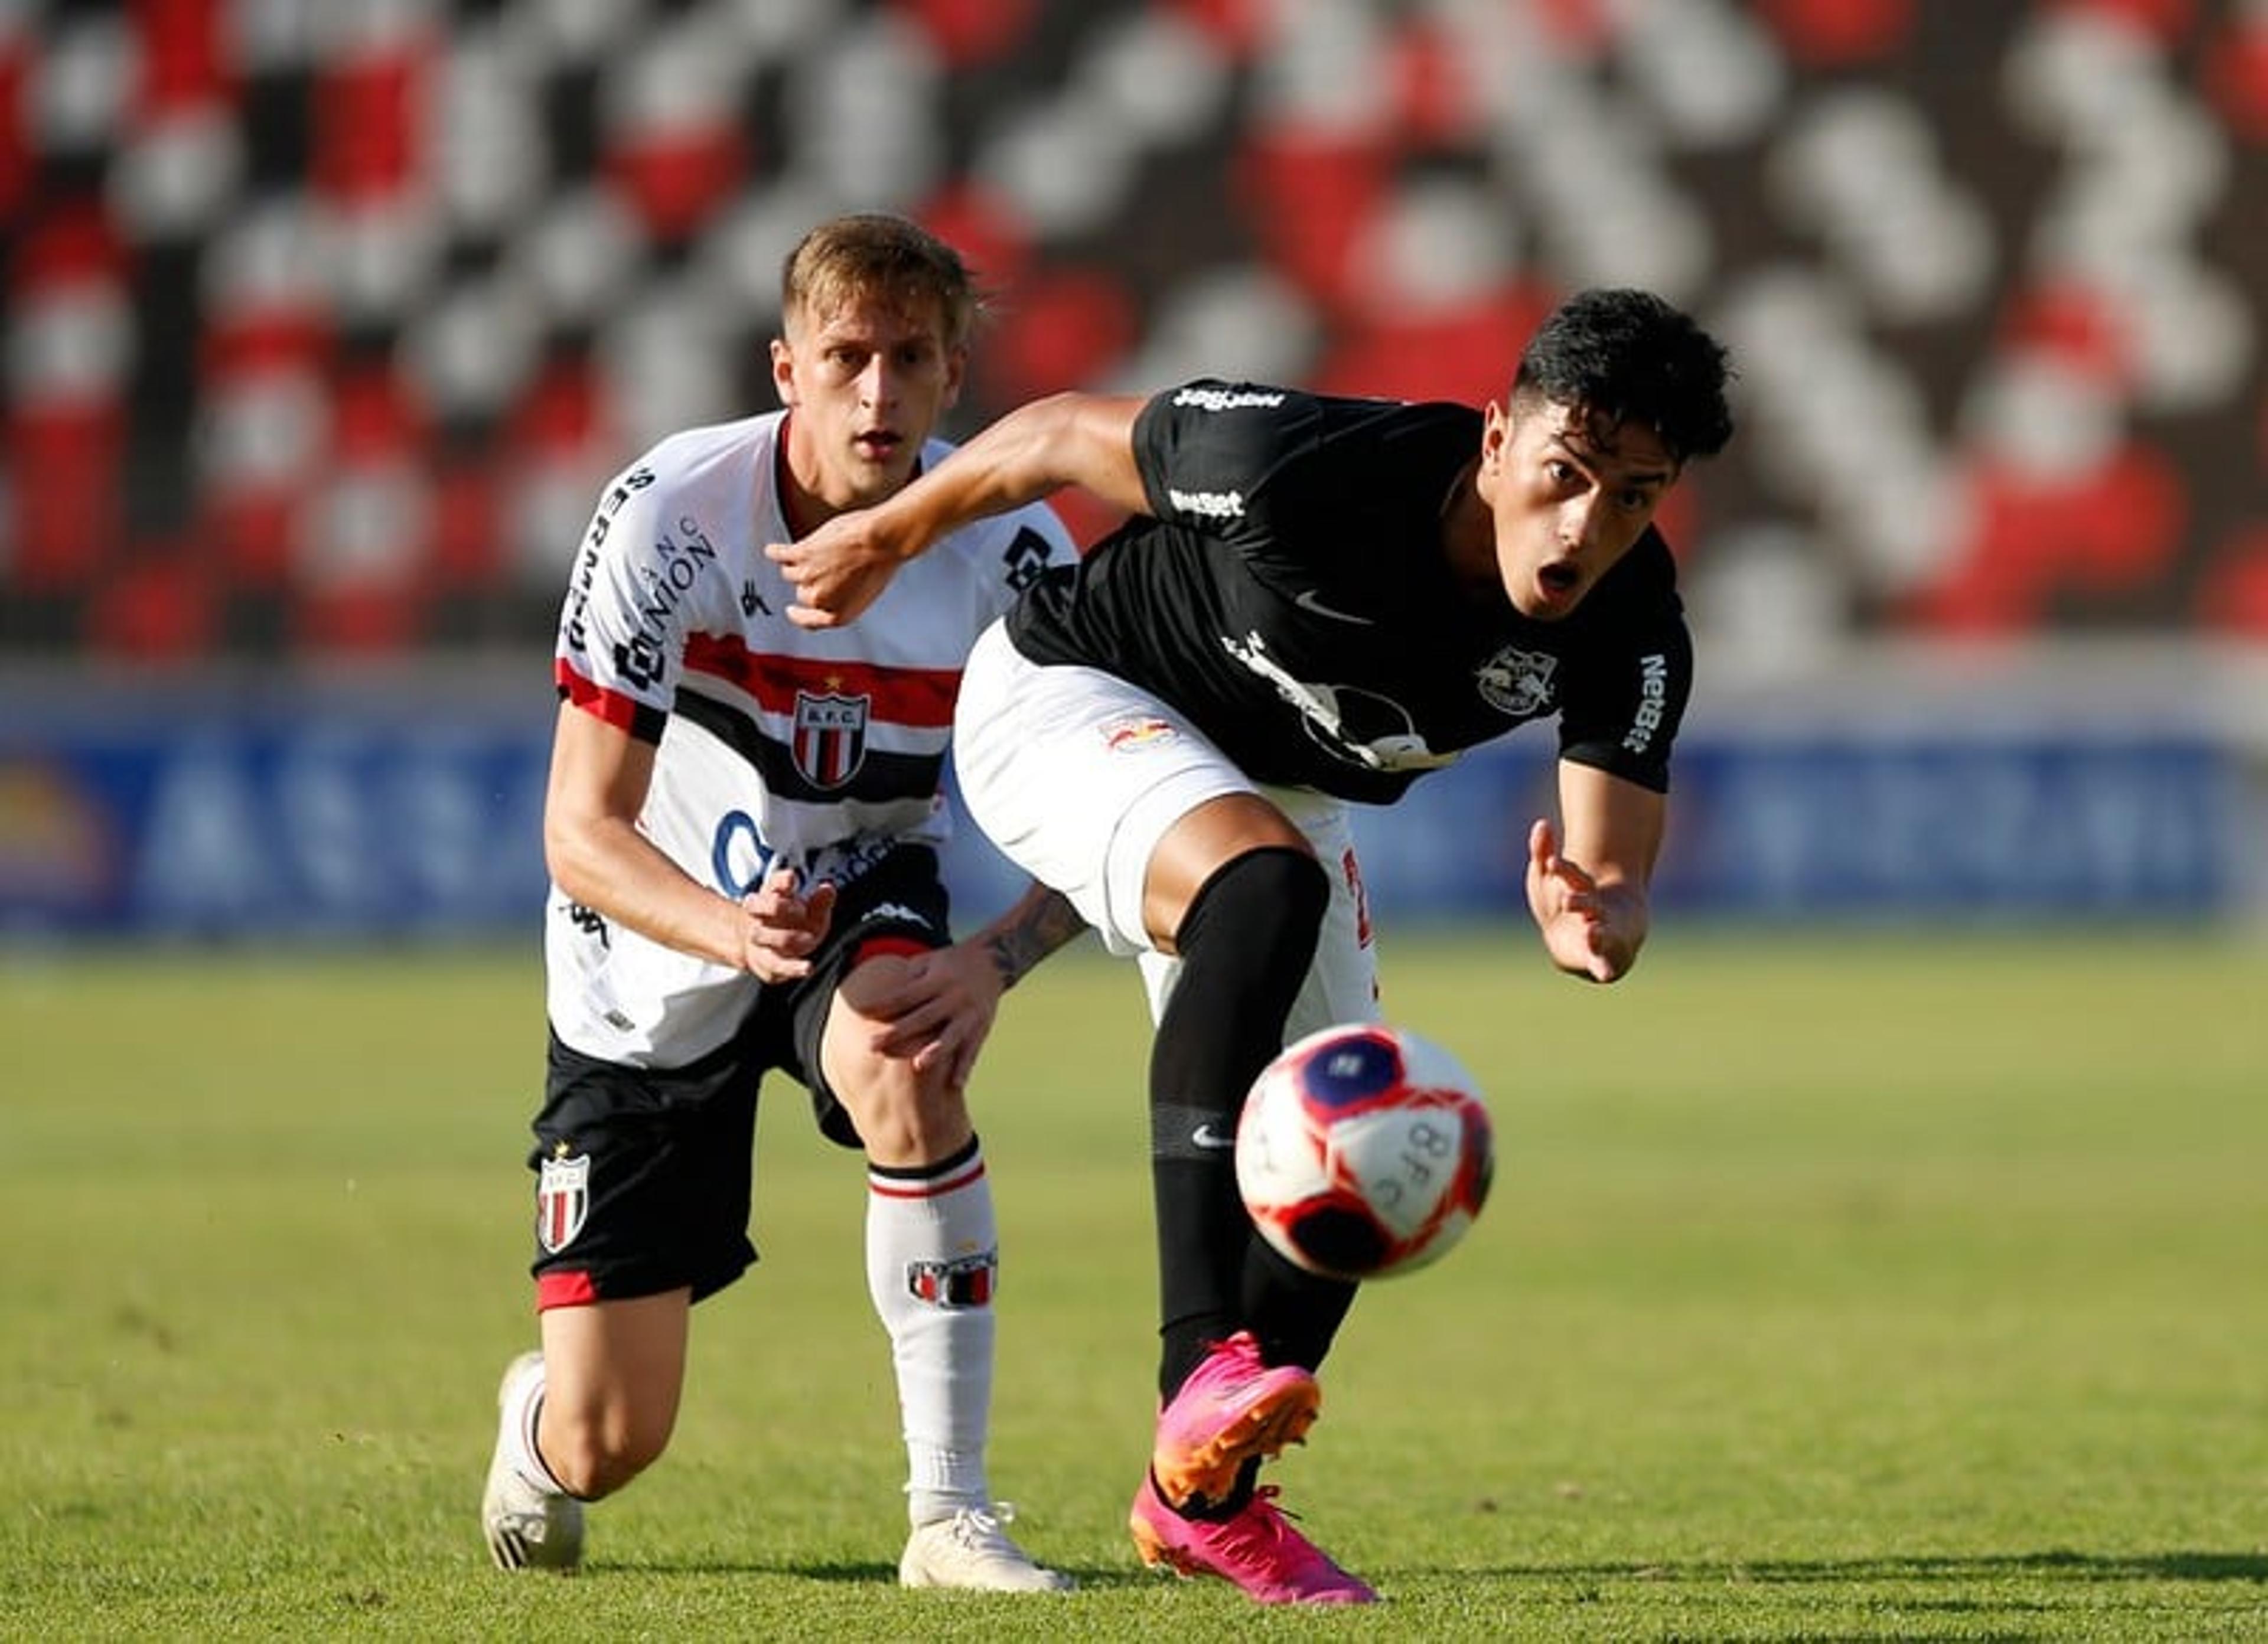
[(1031, 930)]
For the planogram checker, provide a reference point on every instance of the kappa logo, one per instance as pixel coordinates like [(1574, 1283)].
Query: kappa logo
[(562, 1199), (591, 922), (830, 737), (1517, 682)]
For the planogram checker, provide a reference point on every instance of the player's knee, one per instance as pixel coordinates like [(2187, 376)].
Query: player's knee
[(905, 1116), (1269, 902)]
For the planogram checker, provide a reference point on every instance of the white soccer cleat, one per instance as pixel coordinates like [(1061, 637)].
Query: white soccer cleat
[(528, 1529), (971, 1551)]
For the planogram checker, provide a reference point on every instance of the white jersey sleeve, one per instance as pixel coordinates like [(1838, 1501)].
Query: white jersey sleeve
[(774, 745)]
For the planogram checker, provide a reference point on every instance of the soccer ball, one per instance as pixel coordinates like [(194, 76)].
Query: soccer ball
[(1363, 1151)]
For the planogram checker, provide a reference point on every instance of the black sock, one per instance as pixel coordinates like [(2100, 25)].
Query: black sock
[(1293, 1312), (1248, 1480), (1245, 944)]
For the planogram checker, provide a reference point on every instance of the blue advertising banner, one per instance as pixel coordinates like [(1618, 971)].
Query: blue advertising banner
[(362, 821), (251, 822), (2014, 827)]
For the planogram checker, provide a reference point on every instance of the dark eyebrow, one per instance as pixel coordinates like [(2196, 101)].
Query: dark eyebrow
[(1592, 463)]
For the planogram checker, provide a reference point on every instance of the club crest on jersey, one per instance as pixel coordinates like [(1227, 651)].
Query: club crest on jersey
[(830, 737), (1517, 682), (563, 1201)]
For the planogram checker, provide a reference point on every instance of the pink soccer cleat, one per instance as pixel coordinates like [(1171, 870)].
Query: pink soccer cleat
[(1232, 1408), (1258, 1549)]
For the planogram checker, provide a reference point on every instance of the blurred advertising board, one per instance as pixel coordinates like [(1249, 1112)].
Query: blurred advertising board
[(388, 813), (219, 813)]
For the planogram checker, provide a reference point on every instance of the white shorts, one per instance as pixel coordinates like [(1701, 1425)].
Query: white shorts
[(1076, 775)]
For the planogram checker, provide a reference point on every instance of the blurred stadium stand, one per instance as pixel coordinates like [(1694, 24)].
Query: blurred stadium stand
[(324, 321)]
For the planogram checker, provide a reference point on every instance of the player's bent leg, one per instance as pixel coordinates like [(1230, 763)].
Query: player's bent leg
[(1246, 942), (932, 1246), (615, 1371), (905, 1117), (578, 1420)]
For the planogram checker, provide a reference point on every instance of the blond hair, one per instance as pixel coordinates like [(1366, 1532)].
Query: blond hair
[(875, 254)]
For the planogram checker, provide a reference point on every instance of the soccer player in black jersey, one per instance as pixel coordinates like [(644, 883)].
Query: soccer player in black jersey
[(1313, 601)]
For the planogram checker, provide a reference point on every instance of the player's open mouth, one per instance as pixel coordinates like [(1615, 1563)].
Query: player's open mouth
[(878, 446), (1559, 579)]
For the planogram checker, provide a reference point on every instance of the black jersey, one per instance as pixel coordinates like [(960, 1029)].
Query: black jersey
[(1288, 593)]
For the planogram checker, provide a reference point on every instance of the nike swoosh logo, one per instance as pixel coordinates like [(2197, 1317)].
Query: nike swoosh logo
[(1205, 1136), (1306, 601)]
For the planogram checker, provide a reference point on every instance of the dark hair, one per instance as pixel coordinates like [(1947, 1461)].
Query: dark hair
[(1630, 358), (877, 254)]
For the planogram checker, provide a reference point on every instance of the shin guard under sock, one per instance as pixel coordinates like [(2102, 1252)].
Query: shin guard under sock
[(1245, 947)]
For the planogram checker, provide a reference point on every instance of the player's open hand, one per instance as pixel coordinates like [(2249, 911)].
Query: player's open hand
[(837, 570), (938, 1009), (784, 926), (1589, 930)]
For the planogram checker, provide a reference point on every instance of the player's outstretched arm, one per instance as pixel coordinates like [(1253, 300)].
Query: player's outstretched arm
[(1588, 895), (941, 1007), (600, 775), (1086, 440)]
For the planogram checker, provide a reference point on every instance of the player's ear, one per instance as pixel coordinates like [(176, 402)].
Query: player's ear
[(783, 372), (956, 366), (1495, 441), (1496, 436)]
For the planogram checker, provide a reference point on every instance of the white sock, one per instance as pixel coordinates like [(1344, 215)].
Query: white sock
[(932, 1251), (517, 1412)]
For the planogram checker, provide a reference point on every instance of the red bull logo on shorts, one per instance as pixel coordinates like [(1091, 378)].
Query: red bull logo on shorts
[(1136, 731)]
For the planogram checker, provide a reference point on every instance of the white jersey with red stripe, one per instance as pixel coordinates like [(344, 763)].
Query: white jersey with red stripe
[(776, 746)]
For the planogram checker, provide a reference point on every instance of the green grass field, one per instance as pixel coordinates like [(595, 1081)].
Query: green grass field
[(1886, 1290)]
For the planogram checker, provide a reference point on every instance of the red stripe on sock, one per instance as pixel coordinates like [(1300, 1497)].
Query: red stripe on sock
[(901, 1187)]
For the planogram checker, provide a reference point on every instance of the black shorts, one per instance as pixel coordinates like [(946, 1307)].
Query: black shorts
[(644, 1175)]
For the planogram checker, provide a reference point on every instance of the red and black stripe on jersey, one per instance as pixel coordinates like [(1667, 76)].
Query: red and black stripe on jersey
[(919, 700), (879, 774), (641, 719)]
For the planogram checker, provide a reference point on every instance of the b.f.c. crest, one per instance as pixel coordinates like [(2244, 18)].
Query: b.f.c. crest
[(963, 1283), (563, 1201), (830, 737), (1517, 682)]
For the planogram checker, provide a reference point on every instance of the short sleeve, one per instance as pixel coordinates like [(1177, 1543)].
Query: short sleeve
[(1210, 451), (1625, 702), (623, 626)]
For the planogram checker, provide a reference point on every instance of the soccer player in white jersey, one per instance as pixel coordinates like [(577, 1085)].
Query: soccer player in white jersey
[(1314, 601), (741, 827)]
